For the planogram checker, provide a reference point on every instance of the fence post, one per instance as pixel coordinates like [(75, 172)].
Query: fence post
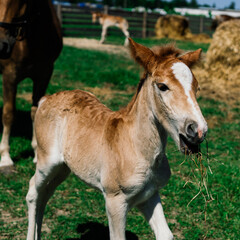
[(201, 25), (105, 9), (144, 27), (59, 13)]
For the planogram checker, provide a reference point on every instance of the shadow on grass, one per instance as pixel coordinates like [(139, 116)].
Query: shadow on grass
[(93, 231)]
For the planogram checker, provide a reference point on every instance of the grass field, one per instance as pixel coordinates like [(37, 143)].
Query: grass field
[(77, 211)]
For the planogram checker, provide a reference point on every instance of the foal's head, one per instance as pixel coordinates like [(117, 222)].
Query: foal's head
[(172, 90), (95, 16), (12, 22)]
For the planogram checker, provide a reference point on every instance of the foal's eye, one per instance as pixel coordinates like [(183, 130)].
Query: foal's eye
[(163, 87)]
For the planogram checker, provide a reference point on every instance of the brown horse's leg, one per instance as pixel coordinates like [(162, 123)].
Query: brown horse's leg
[(40, 83), (9, 98)]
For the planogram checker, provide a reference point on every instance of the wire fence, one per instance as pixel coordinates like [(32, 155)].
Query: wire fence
[(77, 22)]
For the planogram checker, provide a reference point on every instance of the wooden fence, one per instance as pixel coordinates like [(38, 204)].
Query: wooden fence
[(77, 22)]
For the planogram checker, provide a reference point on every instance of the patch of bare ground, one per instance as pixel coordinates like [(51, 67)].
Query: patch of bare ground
[(26, 96), (93, 44), (8, 220)]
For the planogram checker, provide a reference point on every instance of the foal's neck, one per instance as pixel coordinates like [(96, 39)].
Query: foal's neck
[(148, 133)]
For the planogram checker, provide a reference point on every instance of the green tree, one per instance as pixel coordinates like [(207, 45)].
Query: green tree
[(193, 3), (232, 5), (180, 3)]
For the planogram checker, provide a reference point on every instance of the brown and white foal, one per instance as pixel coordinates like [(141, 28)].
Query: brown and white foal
[(108, 21), (120, 153)]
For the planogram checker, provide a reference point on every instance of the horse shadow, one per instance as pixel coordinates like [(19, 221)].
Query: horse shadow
[(97, 231)]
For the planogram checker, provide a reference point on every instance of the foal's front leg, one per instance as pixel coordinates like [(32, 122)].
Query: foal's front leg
[(104, 32), (153, 212), (116, 208)]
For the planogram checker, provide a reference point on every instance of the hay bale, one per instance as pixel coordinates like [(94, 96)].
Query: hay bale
[(220, 75), (177, 27), (223, 56), (171, 26)]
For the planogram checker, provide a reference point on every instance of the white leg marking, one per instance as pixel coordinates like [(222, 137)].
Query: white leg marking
[(4, 148)]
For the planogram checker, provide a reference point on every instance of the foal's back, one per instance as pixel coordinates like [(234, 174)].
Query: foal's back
[(74, 121)]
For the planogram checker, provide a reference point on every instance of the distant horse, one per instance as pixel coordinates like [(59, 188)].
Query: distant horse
[(120, 153), (220, 19), (109, 21), (30, 42)]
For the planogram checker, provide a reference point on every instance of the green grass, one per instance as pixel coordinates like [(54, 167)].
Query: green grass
[(74, 204)]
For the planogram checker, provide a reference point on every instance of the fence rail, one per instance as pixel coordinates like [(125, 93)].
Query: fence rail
[(77, 22)]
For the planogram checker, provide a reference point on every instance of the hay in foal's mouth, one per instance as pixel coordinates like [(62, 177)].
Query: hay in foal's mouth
[(199, 174)]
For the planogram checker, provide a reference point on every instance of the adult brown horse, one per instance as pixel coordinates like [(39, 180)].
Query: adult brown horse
[(30, 42)]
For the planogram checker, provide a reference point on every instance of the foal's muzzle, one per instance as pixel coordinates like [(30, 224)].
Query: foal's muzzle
[(192, 138)]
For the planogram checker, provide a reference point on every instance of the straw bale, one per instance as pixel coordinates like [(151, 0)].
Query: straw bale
[(225, 47), (177, 27), (171, 26), (220, 73)]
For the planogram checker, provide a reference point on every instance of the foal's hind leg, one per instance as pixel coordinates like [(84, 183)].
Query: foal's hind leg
[(40, 83), (9, 99), (42, 186)]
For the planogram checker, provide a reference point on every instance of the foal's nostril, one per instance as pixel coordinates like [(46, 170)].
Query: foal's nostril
[(192, 130)]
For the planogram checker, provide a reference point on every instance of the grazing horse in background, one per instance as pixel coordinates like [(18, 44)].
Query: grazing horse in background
[(30, 42), (220, 19), (109, 21), (120, 153)]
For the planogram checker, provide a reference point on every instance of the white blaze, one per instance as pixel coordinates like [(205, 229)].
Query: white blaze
[(184, 75)]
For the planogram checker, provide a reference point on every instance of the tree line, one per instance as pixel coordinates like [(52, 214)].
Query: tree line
[(151, 4)]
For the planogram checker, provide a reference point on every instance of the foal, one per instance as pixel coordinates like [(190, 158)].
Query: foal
[(120, 153), (109, 21)]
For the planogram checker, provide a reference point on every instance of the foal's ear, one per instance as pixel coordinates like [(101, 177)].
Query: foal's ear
[(143, 55), (191, 58)]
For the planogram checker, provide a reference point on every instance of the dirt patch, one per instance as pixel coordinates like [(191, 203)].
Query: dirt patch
[(93, 44), (26, 96)]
